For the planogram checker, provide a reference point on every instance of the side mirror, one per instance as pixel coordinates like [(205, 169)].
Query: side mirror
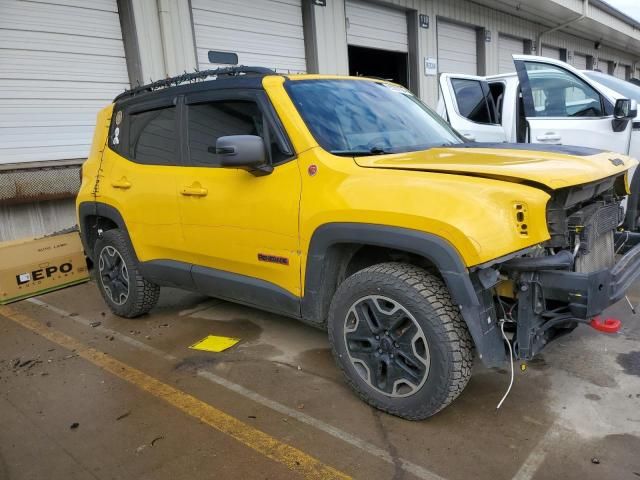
[(625, 109), (247, 152)]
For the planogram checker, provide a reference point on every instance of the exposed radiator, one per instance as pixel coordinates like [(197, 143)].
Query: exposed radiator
[(595, 225), (600, 254)]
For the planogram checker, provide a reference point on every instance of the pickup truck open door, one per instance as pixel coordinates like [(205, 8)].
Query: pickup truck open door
[(466, 102), (563, 107)]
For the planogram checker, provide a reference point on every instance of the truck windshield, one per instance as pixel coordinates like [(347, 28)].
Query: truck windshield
[(623, 87), (360, 117)]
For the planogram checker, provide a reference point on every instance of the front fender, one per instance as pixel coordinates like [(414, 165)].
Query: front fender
[(478, 216)]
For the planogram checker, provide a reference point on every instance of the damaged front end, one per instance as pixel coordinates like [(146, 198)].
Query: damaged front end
[(587, 265)]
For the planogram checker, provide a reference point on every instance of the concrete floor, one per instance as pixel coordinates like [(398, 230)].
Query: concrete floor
[(579, 401)]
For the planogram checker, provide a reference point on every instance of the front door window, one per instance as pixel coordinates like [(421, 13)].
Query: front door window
[(554, 92)]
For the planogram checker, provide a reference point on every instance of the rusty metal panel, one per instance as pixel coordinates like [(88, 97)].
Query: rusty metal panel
[(22, 185)]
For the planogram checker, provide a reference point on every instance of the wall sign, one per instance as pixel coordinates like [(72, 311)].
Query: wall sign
[(423, 20), (320, 3), (430, 66)]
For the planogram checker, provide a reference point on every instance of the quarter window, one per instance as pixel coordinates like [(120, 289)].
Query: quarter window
[(153, 137), (558, 93)]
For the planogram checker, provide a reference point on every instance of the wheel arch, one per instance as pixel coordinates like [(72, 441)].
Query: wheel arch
[(333, 246), (95, 216)]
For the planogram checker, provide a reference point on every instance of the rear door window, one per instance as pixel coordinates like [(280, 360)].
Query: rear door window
[(474, 101), (153, 137)]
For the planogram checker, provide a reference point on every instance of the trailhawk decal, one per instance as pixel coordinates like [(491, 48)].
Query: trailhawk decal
[(273, 259)]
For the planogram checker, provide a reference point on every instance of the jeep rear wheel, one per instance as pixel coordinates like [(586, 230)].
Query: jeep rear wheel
[(401, 343), (119, 280)]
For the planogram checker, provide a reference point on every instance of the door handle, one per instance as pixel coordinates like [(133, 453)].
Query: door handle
[(194, 191), (549, 137), (123, 183)]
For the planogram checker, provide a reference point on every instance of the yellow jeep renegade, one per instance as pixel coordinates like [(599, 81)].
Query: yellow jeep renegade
[(348, 204)]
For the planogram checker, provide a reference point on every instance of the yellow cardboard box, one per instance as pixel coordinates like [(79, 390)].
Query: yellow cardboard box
[(31, 267)]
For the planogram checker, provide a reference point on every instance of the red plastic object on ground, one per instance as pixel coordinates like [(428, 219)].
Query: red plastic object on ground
[(609, 325)]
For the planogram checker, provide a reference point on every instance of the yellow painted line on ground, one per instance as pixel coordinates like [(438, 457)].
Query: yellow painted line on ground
[(296, 460)]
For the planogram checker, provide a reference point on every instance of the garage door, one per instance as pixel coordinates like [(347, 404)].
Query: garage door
[(551, 52), (60, 62), (508, 46), (621, 71), (374, 26), (266, 33), (457, 51), (580, 61)]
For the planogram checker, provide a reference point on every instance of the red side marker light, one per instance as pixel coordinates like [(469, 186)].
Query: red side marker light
[(609, 325), (313, 169)]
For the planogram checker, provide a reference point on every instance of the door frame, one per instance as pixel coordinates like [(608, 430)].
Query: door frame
[(450, 101)]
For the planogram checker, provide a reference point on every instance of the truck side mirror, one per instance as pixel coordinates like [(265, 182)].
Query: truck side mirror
[(625, 109), (247, 152)]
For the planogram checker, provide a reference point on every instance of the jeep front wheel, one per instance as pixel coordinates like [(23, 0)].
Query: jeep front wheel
[(121, 284), (399, 340)]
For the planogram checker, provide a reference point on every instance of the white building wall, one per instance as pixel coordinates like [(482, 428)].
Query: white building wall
[(36, 219), (374, 26), (60, 62), (177, 36), (164, 37), (327, 49), (149, 39)]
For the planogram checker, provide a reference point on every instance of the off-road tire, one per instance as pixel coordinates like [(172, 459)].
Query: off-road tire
[(427, 298), (142, 294)]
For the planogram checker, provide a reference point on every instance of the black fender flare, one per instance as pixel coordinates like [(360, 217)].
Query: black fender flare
[(86, 210), (322, 268)]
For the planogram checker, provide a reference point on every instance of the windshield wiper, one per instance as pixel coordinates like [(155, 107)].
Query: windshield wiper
[(377, 150)]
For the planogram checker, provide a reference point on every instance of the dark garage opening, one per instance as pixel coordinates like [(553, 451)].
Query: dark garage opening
[(371, 62)]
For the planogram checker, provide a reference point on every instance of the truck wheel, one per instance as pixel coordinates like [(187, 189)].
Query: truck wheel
[(124, 289), (401, 343)]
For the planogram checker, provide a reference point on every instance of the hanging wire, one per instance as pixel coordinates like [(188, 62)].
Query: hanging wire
[(506, 394)]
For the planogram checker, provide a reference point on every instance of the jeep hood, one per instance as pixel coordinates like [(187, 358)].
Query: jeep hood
[(552, 166)]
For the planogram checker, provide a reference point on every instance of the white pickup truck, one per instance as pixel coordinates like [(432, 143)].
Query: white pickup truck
[(544, 101)]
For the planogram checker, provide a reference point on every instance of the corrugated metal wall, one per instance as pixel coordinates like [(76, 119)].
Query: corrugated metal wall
[(508, 46), (457, 48), (36, 219), (60, 62), (264, 33), (375, 26)]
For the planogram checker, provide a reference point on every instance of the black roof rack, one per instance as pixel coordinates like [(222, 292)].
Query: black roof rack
[(194, 77)]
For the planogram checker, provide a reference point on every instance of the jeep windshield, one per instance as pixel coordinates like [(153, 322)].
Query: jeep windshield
[(360, 117)]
